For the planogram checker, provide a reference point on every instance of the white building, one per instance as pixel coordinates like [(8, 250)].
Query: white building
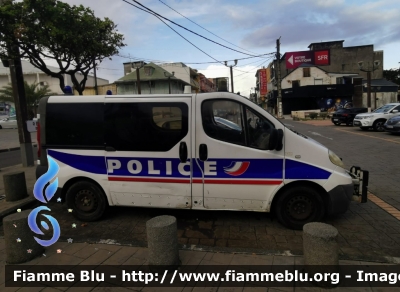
[(33, 74)]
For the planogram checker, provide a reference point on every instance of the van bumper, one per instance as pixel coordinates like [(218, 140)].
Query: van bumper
[(340, 198)]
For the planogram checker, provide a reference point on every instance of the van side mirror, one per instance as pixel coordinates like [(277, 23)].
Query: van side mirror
[(275, 140), (395, 111)]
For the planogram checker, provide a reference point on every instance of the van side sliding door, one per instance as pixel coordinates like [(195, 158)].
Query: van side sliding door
[(148, 151)]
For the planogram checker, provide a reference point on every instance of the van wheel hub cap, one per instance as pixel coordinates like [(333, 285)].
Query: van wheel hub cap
[(85, 200), (299, 207)]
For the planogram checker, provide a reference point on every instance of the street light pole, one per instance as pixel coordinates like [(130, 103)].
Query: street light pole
[(138, 65), (226, 64), (166, 74), (375, 65)]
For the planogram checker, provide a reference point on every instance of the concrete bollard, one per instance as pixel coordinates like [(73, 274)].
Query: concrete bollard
[(15, 186), (162, 240), (20, 244), (320, 248)]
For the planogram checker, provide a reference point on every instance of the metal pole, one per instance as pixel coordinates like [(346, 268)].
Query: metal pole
[(369, 90), (18, 86), (231, 79), (95, 77), (138, 81), (169, 84), (279, 99)]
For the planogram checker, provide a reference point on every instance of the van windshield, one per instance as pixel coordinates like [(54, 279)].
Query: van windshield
[(384, 109)]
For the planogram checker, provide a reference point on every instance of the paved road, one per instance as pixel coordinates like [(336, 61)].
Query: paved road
[(9, 138), (365, 232), (11, 158)]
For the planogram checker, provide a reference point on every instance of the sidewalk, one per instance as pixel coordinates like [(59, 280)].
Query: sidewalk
[(73, 254), (7, 208)]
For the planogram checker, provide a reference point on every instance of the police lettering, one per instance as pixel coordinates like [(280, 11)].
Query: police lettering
[(136, 167)]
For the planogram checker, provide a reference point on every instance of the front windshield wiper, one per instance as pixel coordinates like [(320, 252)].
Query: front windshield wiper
[(298, 133)]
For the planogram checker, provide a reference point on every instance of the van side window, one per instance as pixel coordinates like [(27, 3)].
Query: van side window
[(151, 126), (75, 125), (223, 120), (258, 129)]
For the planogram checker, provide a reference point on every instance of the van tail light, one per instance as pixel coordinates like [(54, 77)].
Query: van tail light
[(38, 140)]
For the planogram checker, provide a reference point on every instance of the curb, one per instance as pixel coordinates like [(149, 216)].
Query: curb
[(22, 205), (13, 149)]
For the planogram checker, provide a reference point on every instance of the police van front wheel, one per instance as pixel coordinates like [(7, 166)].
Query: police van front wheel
[(298, 206), (87, 201)]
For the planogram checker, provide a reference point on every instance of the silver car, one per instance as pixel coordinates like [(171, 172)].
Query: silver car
[(9, 123)]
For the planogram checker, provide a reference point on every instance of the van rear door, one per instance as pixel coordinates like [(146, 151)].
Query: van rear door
[(146, 140)]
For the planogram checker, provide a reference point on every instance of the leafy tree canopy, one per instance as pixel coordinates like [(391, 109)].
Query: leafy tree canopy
[(392, 75), (49, 29)]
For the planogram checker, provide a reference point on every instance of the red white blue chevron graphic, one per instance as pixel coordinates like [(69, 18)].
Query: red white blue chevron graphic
[(238, 168)]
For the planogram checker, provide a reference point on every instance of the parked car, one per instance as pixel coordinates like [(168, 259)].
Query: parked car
[(346, 115), (377, 118), (9, 123), (392, 125)]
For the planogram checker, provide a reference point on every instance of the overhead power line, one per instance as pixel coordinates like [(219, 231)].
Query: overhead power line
[(203, 27), (148, 10)]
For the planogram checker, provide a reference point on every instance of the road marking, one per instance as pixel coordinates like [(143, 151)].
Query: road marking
[(318, 134), (393, 141), (385, 206)]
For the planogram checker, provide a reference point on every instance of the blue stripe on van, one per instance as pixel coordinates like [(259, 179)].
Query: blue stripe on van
[(92, 164), (300, 170)]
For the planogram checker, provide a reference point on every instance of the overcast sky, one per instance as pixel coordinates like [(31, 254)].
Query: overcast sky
[(248, 26)]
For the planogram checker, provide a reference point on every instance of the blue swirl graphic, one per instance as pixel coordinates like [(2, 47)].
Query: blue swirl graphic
[(44, 179), (32, 224)]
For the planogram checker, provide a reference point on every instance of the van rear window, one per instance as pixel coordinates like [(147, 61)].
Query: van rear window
[(75, 125)]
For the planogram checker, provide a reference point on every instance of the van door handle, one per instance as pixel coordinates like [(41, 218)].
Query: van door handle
[(203, 152), (110, 149), (183, 152)]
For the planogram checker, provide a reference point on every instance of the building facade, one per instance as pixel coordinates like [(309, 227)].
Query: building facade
[(153, 80), (33, 74), (325, 77)]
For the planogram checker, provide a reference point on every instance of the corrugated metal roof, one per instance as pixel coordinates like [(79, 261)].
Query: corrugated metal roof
[(158, 74)]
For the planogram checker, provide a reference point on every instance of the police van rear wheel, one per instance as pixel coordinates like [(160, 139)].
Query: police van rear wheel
[(86, 200), (298, 206)]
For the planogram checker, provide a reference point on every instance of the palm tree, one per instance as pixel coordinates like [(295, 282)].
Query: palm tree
[(33, 93)]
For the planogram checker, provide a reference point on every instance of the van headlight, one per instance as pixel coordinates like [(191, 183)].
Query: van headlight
[(335, 159), (365, 117)]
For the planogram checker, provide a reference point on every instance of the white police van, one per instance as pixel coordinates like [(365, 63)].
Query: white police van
[(211, 151)]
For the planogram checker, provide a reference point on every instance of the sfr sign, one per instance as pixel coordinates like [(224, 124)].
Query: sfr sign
[(321, 58), (295, 59)]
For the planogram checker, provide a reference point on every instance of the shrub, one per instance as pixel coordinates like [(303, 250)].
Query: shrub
[(323, 115), (313, 115)]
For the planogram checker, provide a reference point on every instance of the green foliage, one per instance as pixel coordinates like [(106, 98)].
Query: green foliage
[(313, 115), (392, 75), (33, 93), (49, 29), (323, 115)]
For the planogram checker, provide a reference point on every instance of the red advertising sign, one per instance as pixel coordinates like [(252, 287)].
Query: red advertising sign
[(321, 58), (295, 59), (263, 81)]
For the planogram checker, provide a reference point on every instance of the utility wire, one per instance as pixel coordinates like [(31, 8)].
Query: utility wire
[(203, 27), (148, 10), (179, 34), (158, 61)]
